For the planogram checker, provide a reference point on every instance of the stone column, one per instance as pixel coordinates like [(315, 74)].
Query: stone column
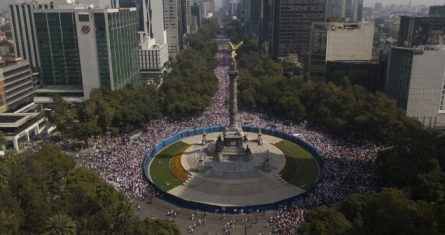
[(233, 94)]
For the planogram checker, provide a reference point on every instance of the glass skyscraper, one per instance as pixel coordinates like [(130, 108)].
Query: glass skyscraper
[(88, 48)]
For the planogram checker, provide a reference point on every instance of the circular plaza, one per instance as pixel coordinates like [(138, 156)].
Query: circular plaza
[(269, 168)]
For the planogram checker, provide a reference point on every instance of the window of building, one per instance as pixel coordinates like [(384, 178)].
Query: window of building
[(84, 17)]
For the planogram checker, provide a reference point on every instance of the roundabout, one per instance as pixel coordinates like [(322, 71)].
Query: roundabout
[(274, 168), (228, 169)]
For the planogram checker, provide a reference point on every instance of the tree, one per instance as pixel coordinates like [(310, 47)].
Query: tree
[(60, 224), (44, 193), (430, 187), (324, 220)]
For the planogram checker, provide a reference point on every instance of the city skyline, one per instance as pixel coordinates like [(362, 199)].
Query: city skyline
[(4, 3)]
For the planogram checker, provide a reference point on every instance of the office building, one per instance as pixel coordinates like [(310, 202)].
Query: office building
[(83, 48), (208, 7), (19, 122), (235, 7), (335, 10), (186, 16), (266, 25), (292, 26), (173, 25), (23, 30), (415, 31), (16, 87), (196, 17), (252, 16), (437, 11), (19, 128), (336, 41), (152, 58), (353, 10), (153, 48), (370, 74), (23, 26), (415, 79)]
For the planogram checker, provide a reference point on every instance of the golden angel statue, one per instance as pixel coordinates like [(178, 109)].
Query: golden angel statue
[(234, 48)]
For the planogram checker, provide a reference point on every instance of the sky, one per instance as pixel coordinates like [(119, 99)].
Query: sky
[(5, 3), (385, 2)]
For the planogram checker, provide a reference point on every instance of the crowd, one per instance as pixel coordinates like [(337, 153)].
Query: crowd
[(348, 165)]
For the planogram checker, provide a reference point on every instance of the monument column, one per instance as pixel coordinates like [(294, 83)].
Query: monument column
[(233, 136), (233, 107)]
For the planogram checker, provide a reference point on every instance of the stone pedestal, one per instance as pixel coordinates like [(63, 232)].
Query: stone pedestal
[(233, 137)]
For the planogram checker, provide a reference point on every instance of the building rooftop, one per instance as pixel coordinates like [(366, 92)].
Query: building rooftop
[(15, 120)]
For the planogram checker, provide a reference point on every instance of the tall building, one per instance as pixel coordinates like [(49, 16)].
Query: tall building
[(83, 48), (208, 7), (415, 79), (338, 42), (266, 25), (153, 48), (23, 30), (173, 26), (252, 16), (235, 7), (16, 86), (292, 25), (186, 16), (415, 31), (335, 9), (196, 15), (437, 11), (353, 10), (23, 26)]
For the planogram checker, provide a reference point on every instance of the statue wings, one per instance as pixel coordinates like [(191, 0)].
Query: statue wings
[(235, 47)]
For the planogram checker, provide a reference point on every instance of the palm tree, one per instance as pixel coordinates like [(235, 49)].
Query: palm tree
[(60, 224)]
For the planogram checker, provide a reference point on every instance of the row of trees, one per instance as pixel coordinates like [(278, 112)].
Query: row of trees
[(191, 85), (343, 108), (388, 212), (413, 201), (185, 91), (410, 170), (44, 193)]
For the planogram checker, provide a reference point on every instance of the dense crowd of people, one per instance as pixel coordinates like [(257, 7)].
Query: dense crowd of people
[(348, 166)]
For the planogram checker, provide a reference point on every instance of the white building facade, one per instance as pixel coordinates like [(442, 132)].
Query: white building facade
[(337, 41), (416, 79)]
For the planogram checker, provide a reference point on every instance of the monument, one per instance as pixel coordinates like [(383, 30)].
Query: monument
[(233, 134)]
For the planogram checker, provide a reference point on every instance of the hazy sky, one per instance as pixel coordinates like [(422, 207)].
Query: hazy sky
[(385, 2), (5, 3)]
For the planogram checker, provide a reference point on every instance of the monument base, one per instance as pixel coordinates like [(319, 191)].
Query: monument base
[(233, 143), (233, 137)]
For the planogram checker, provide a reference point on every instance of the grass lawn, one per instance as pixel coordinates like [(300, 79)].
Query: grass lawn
[(301, 168), (160, 167)]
